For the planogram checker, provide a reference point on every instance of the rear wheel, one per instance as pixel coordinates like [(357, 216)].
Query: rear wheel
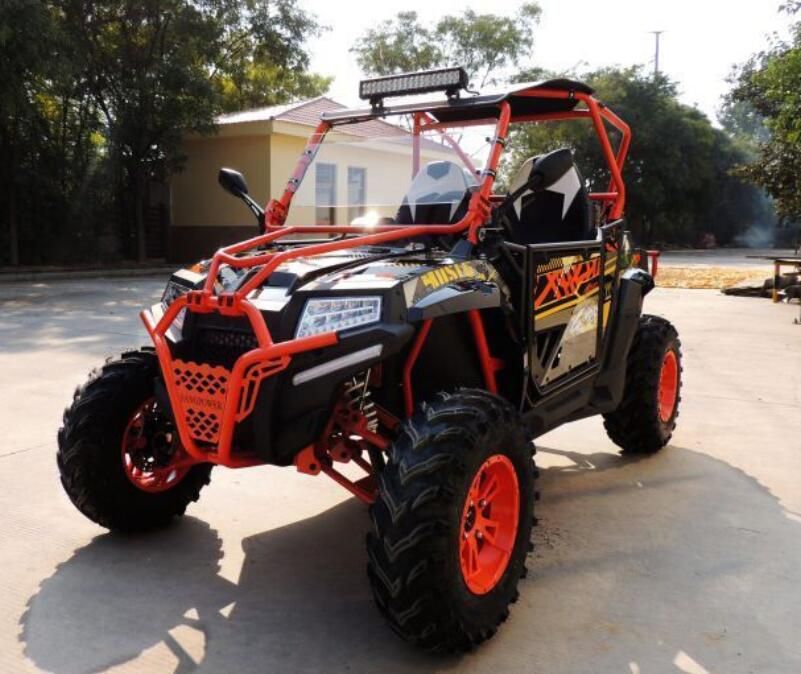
[(120, 459), (453, 522), (645, 420)]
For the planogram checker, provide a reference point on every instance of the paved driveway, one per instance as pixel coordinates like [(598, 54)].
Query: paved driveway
[(746, 258), (688, 561)]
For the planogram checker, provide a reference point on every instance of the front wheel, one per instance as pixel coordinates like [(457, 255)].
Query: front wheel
[(119, 457), (644, 421), (453, 522)]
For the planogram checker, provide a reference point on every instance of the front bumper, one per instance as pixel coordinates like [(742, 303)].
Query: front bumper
[(208, 401), (248, 400)]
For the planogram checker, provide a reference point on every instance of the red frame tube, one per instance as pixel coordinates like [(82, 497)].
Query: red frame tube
[(236, 304), (425, 123), (489, 365), (417, 346)]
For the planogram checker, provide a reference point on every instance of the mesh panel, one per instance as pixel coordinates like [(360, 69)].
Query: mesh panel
[(202, 390)]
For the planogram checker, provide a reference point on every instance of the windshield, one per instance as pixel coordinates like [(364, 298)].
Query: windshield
[(374, 172)]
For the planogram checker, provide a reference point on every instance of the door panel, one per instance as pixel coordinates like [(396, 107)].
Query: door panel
[(566, 305)]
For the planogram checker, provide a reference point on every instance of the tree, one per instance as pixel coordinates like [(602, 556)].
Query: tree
[(145, 69), (770, 84), (25, 32), (678, 170), (95, 96), (486, 45), (398, 45), (262, 59), (743, 124)]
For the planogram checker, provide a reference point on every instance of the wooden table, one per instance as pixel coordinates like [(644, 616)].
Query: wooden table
[(778, 263)]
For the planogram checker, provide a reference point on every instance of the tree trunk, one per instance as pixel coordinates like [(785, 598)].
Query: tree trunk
[(139, 210), (13, 226)]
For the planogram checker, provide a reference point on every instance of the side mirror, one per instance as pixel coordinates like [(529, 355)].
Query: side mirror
[(232, 182)]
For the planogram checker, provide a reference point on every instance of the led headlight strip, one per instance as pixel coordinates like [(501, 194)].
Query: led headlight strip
[(340, 363), (331, 314)]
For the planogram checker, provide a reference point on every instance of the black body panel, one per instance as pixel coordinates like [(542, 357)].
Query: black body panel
[(415, 285), (597, 391)]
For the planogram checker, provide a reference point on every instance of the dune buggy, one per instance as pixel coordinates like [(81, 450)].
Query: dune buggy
[(430, 329)]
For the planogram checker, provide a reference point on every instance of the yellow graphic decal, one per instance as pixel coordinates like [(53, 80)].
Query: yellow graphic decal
[(460, 271)]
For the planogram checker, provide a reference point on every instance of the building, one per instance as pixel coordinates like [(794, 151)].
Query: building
[(265, 144)]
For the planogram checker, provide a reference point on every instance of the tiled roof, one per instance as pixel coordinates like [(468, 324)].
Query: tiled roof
[(302, 112), (308, 113)]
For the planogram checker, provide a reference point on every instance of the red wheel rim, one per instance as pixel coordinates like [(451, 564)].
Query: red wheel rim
[(150, 478), (489, 524), (668, 386)]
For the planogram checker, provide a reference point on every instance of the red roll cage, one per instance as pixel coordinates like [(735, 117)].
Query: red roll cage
[(209, 401)]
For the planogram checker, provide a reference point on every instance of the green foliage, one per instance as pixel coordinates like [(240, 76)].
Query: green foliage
[(95, 96), (263, 59), (259, 85), (484, 44), (678, 175), (678, 170), (48, 137), (770, 84), (399, 45), (744, 124)]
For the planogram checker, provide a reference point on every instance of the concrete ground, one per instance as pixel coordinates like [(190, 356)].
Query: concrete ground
[(687, 561)]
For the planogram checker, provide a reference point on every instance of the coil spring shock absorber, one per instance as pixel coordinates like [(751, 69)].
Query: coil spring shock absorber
[(358, 397)]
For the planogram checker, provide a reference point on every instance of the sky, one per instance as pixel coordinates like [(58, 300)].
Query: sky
[(703, 39)]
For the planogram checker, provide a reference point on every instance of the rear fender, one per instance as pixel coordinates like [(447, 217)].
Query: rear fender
[(635, 284)]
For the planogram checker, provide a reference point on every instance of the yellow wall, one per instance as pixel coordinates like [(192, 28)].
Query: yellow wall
[(266, 153), (284, 153), (197, 198)]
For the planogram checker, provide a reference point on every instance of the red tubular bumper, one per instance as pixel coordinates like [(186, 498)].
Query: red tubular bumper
[(208, 401)]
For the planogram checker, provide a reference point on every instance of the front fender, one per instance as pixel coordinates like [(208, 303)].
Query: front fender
[(457, 299)]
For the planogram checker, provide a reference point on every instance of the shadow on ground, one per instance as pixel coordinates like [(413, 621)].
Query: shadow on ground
[(657, 565)]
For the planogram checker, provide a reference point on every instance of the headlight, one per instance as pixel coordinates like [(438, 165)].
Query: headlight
[(172, 291), (329, 314)]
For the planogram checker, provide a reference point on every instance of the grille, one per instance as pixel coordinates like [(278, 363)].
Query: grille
[(202, 390), (222, 347)]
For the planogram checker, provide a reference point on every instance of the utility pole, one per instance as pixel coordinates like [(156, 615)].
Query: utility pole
[(656, 34)]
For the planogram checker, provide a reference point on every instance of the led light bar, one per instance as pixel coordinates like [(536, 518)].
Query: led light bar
[(449, 80)]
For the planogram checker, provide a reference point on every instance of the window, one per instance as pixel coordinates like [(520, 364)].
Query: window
[(325, 194), (357, 192)]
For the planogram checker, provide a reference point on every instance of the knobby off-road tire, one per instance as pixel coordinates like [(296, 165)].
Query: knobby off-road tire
[(645, 420), (422, 518), (90, 458)]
